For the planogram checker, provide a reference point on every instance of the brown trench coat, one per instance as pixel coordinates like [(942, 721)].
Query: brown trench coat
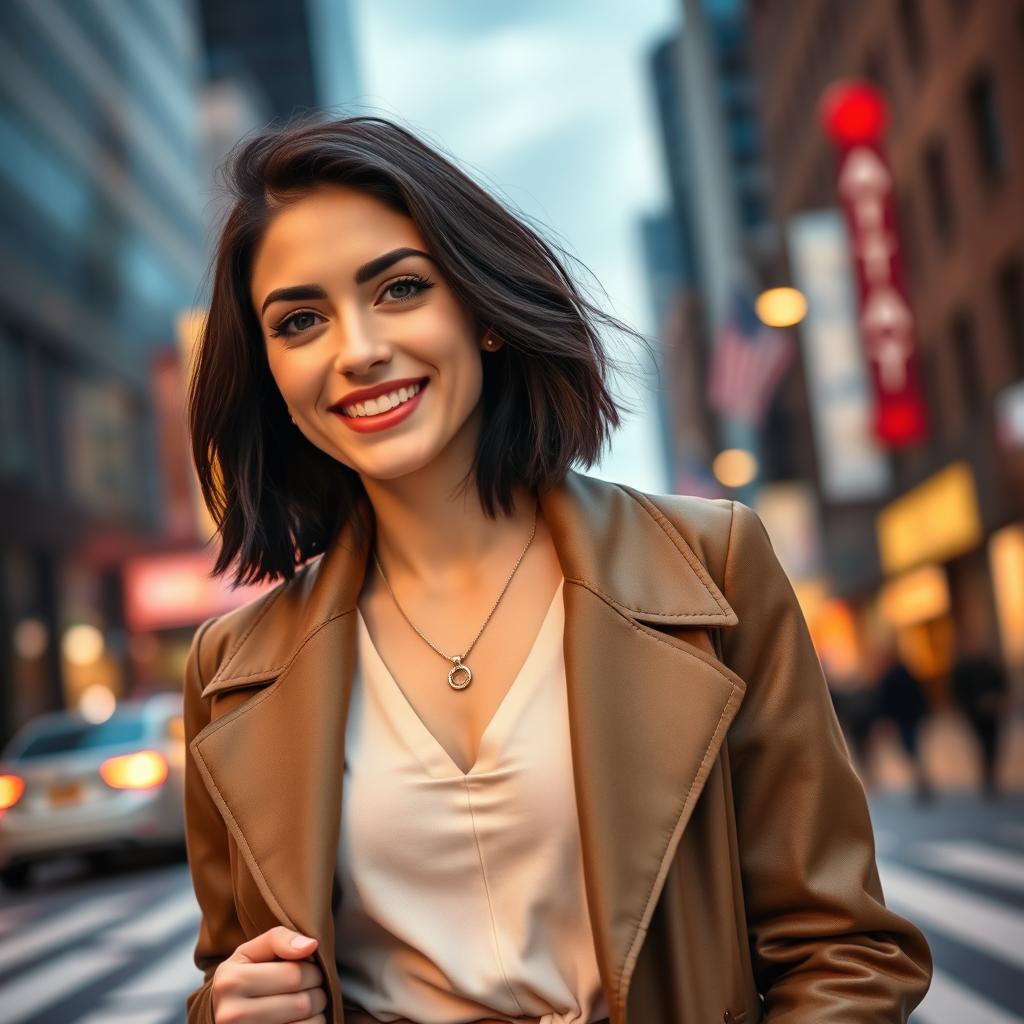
[(728, 854)]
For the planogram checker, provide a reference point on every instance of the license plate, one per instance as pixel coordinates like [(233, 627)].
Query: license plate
[(67, 793)]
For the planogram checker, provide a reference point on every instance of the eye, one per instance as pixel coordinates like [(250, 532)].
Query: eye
[(414, 285), (280, 330)]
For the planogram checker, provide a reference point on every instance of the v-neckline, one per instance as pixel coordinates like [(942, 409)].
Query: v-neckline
[(438, 760)]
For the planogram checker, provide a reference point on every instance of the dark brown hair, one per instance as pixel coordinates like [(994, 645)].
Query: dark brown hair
[(276, 498)]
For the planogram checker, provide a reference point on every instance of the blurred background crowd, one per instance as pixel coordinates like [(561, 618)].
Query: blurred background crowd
[(815, 209)]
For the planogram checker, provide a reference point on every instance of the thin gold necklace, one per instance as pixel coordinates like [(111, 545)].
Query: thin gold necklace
[(459, 660)]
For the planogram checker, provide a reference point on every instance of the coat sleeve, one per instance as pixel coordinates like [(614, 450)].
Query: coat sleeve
[(206, 842), (824, 946)]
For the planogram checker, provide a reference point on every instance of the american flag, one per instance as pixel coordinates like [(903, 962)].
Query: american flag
[(747, 364)]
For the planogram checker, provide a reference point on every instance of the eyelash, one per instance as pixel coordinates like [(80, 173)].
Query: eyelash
[(422, 283)]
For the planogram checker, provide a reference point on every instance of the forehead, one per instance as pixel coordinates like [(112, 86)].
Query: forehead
[(324, 236)]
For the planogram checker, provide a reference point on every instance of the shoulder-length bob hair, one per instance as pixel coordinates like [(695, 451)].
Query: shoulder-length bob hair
[(276, 498)]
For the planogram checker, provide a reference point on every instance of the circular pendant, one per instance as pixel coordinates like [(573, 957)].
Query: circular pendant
[(459, 667)]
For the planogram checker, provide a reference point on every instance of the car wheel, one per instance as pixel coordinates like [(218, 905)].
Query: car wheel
[(17, 876)]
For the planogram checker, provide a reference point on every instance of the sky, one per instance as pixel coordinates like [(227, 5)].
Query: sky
[(549, 106)]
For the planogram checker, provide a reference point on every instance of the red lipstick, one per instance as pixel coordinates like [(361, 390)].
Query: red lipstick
[(382, 420)]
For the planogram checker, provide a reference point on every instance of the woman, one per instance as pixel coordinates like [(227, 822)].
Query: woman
[(507, 742)]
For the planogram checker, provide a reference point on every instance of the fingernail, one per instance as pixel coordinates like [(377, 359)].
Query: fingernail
[(300, 940)]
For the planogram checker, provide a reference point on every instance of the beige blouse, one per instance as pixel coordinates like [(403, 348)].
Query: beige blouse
[(462, 894)]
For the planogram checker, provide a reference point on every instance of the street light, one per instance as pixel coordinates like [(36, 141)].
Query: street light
[(780, 307), (734, 467)]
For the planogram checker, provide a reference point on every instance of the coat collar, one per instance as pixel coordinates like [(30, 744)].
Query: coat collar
[(647, 713)]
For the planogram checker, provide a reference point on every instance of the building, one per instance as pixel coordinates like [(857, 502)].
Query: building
[(266, 43), (101, 240), (939, 555), (704, 93)]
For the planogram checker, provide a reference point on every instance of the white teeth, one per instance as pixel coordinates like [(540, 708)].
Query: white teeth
[(382, 403)]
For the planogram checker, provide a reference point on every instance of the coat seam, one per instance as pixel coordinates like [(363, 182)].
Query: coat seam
[(271, 601), (686, 551), (286, 664), (240, 837), (701, 773), (633, 950)]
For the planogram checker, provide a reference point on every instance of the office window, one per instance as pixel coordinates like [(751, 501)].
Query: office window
[(102, 446), (965, 361), (15, 410), (983, 112), (876, 68), (932, 391), (908, 13), (960, 9), (1010, 290), (910, 248), (940, 198)]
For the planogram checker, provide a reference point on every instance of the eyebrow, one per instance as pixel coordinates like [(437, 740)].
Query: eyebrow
[(365, 273)]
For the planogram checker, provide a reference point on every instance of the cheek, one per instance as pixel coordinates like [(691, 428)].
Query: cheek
[(471, 372), (296, 375)]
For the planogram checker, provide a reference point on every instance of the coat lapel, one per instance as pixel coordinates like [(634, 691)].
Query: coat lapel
[(647, 714)]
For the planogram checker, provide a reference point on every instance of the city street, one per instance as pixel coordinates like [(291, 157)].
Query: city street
[(955, 867), (100, 949), (114, 945), (304, 305)]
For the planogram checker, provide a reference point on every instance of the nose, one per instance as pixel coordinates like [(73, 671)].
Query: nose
[(357, 347)]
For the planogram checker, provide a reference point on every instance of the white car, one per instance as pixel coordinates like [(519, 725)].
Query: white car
[(69, 786)]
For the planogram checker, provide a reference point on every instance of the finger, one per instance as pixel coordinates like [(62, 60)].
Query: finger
[(277, 978), (276, 943), (292, 1007)]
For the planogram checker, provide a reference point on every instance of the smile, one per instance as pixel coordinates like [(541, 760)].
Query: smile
[(382, 403), (384, 411)]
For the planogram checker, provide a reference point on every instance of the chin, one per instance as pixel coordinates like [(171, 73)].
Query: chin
[(395, 468)]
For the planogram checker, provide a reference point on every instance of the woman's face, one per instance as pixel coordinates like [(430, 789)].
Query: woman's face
[(342, 311)]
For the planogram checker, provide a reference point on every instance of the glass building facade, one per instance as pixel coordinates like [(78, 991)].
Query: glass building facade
[(102, 245)]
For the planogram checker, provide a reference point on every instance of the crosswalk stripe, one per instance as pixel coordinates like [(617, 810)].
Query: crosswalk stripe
[(968, 917), (34, 990), (950, 1002), (168, 916), (12, 918), (980, 861), (91, 916), (173, 974)]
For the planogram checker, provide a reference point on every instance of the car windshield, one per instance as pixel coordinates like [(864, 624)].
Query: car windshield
[(84, 736)]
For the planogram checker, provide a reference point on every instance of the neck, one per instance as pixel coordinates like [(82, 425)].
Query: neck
[(437, 541)]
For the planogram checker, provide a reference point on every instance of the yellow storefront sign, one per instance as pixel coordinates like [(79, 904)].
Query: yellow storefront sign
[(937, 520)]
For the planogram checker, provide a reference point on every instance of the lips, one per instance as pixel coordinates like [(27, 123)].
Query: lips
[(362, 395), (339, 407), (382, 420)]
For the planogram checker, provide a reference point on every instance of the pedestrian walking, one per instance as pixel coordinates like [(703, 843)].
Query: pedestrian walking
[(979, 689), (856, 704), (902, 700)]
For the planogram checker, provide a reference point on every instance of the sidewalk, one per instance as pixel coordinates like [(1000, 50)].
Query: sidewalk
[(950, 754)]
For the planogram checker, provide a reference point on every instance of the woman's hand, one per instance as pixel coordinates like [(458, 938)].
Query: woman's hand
[(256, 984)]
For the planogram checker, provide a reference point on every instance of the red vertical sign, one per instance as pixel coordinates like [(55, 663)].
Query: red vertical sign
[(853, 114)]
